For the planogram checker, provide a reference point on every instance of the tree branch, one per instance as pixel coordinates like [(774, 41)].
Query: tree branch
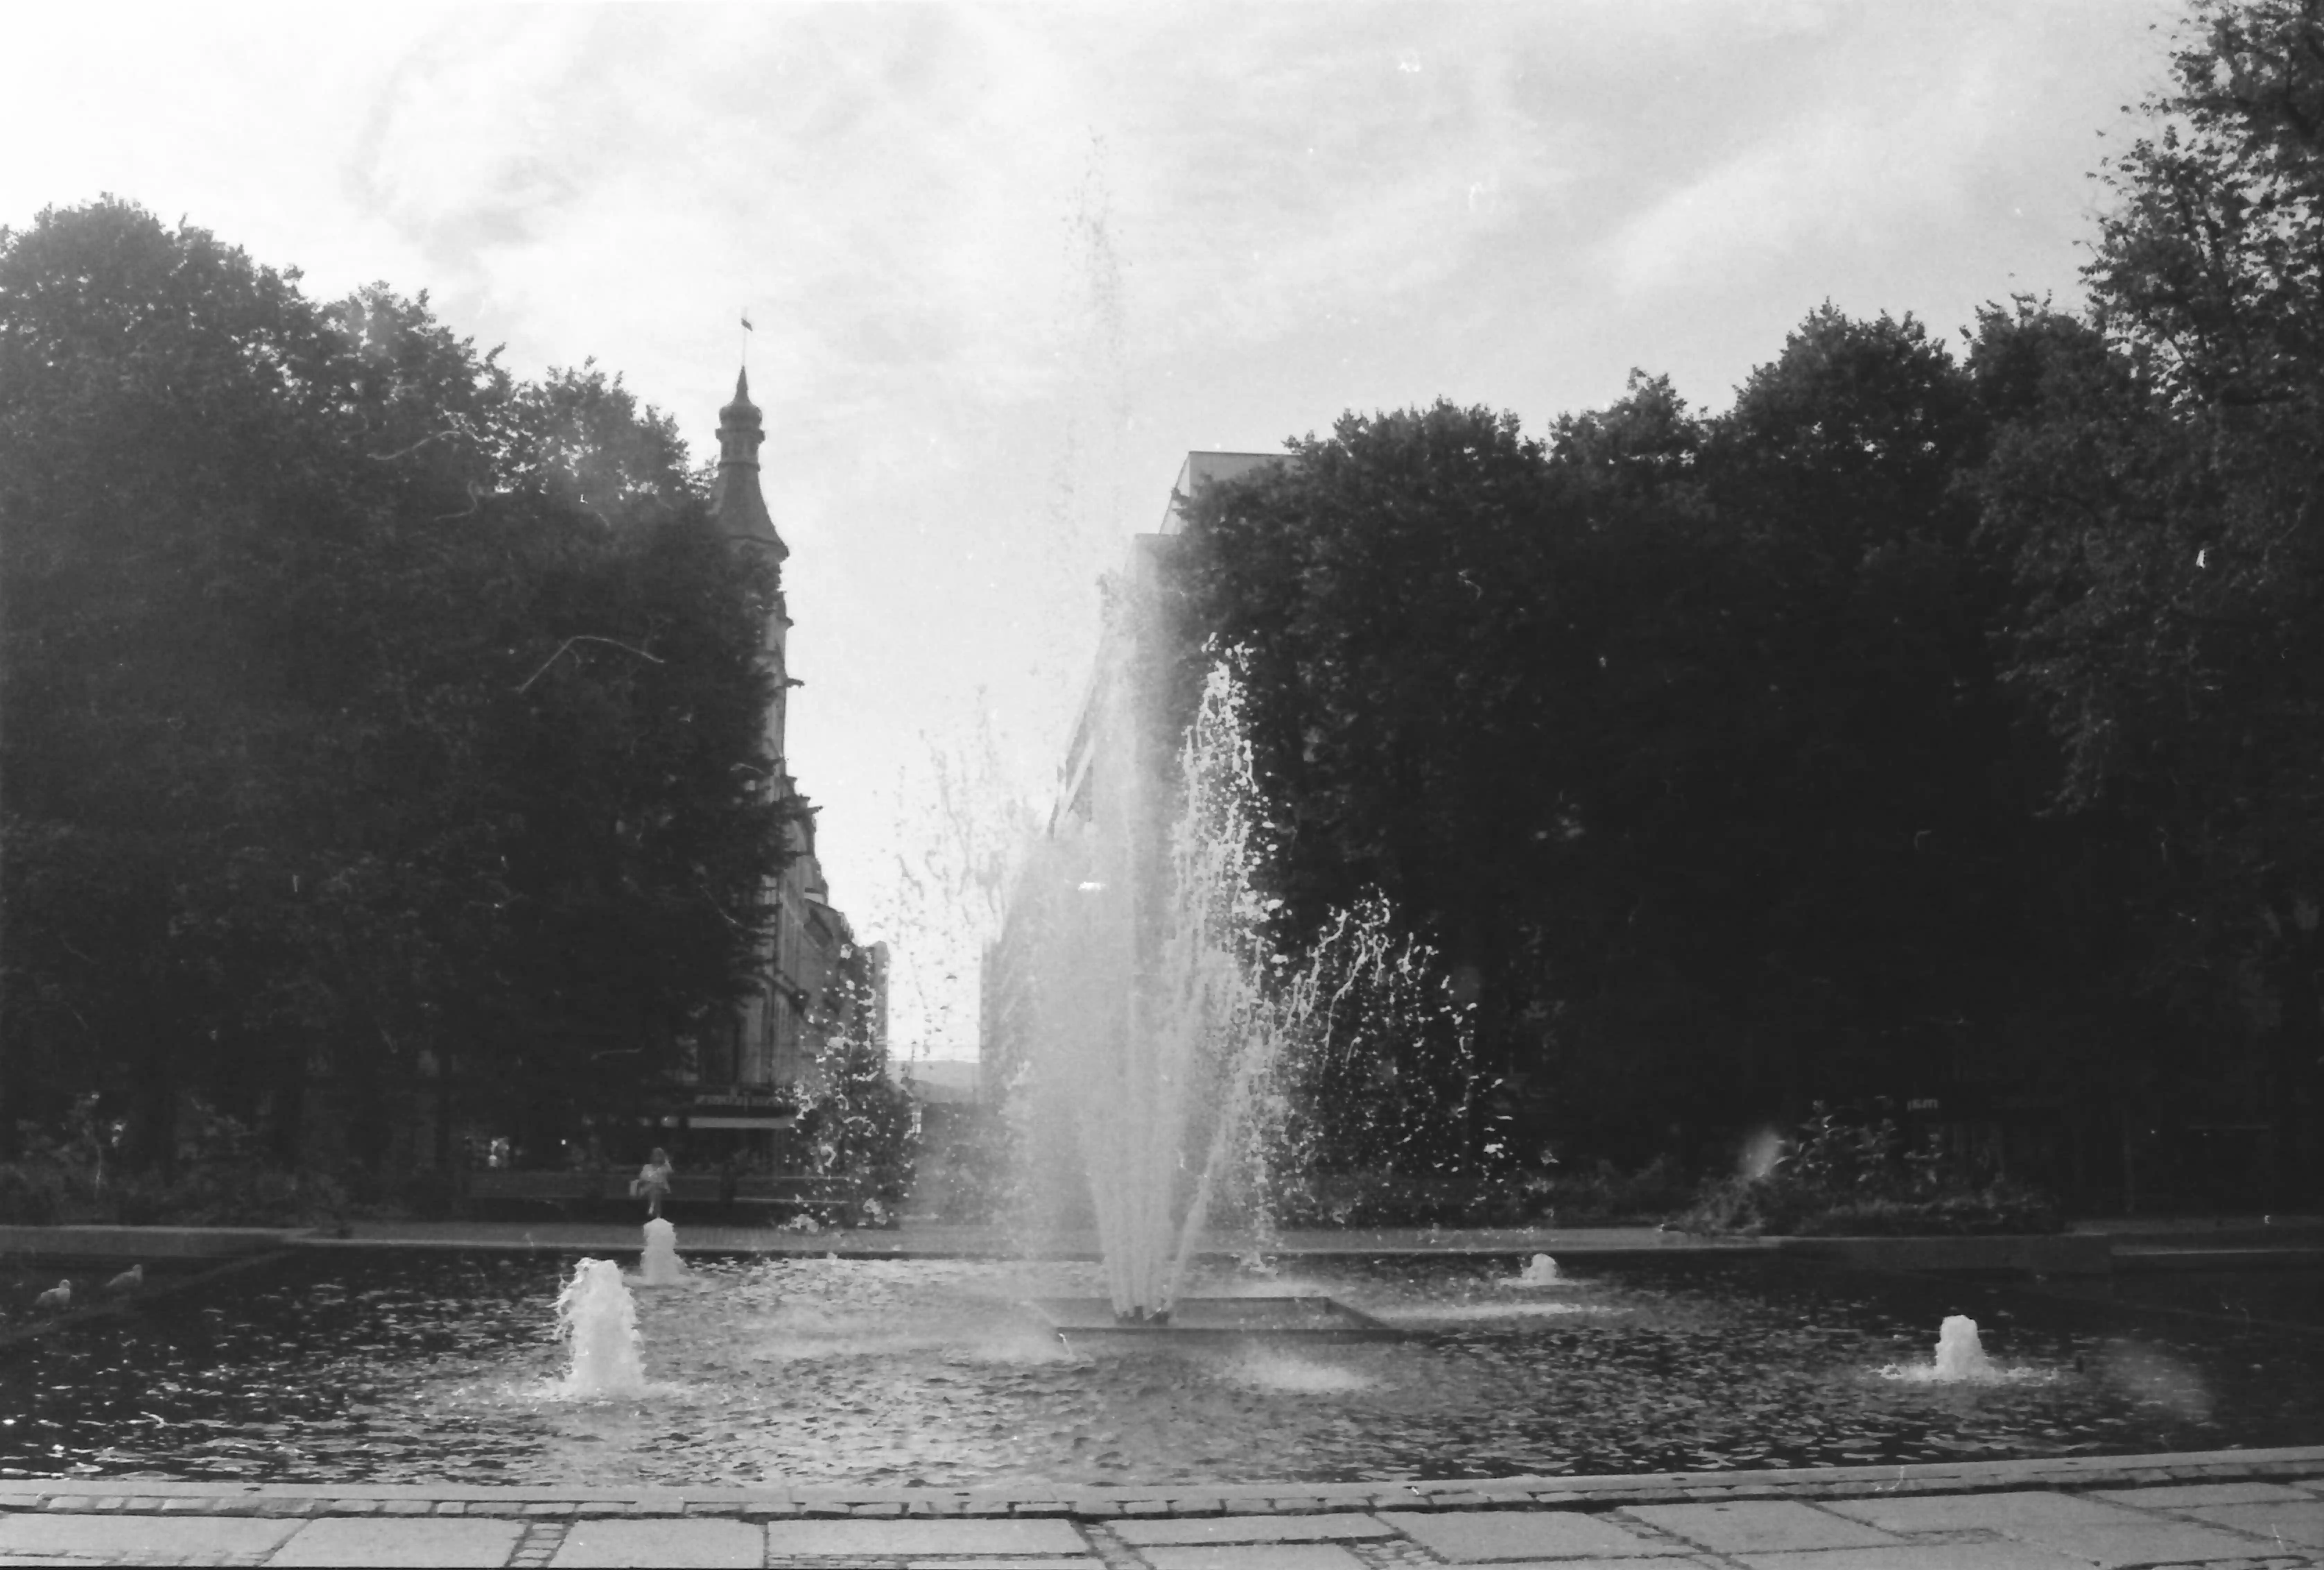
[(584, 638)]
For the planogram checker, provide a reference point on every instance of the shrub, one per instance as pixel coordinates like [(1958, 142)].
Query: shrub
[(1607, 1196), (1840, 1178), (66, 1176), (32, 1194), (1602, 1196)]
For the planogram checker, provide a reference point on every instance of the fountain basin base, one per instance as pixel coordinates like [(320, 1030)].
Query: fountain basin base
[(1305, 1317)]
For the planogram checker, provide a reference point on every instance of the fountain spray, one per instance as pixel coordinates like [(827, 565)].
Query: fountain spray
[(598, 1320)]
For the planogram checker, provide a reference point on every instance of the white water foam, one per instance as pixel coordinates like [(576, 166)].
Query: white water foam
[(1272, 1370)]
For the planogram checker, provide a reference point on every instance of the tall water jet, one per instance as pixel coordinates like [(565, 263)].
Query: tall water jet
[(1186, 1059), (597, 1320), (1149, 1006), (659, 1265)]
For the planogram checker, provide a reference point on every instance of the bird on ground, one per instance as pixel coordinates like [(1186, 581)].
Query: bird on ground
[(58, 1297), (129, 1280)]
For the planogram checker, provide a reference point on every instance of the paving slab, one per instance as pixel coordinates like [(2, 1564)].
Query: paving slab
[(1253, 1556), (1344, 1526), (681, 1542), (1467, 1538), (371, 1540), (922, 1538), (1759, 1526), (2295, 1520), (2000, 1512), (1655, 1564), (1043, 1564), (140, 1539), (1999, 1554), (2161, 1543), (2180, 1495)]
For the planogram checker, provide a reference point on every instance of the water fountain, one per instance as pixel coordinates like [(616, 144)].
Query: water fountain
[(1155, 1012), (1961, 1360), (659, 1265), (1541, 1271), (1959, 1354), (598, 1321), (1163, 1015), (1145, 1002), (396, 1366)]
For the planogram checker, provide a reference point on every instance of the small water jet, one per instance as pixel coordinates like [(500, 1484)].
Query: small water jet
[(597, 1320), (1961, 1360), (659, 1265), (1959, 1354), (1542, 1271)]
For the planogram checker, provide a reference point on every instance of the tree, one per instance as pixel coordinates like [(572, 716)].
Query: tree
[(1389, 584), (1867, 807), (2157, 486), (371, 719), (1680, 737), (2209, 269)]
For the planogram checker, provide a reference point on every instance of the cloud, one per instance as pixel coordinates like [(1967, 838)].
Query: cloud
[(1837, 174)]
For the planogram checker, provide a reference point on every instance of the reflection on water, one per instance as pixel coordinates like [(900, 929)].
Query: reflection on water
[(441, 1367)]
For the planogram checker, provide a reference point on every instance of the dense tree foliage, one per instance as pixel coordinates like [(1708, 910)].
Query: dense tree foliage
[(1677, 734), (1919, 725), (375, 725), (2160, 488)]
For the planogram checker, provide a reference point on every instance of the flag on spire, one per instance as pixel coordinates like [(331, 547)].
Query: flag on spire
[(746, 323)]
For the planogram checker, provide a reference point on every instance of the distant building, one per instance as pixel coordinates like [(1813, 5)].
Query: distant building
[(815, 982), (1005, 976)]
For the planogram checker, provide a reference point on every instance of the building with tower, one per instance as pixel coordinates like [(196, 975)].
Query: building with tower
[(815, 981)]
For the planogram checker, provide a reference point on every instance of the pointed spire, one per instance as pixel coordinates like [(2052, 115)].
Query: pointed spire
[(742, 408), (734, 498)]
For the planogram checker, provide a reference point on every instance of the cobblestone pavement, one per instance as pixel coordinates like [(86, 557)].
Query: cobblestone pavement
[(2220, 1510)]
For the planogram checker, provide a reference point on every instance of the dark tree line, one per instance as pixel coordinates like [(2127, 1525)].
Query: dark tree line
[(374, 725), (1923, 722)]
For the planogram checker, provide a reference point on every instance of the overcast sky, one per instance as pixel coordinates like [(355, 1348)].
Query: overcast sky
[(1009, 264)]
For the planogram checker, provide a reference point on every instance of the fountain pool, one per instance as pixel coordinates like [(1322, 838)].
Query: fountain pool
[(445, 1367)]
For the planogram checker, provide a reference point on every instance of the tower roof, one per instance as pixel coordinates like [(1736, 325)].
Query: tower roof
[(735, 497)]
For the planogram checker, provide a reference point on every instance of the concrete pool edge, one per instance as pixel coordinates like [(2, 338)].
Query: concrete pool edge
[(2075, 1252), (155, 1497)]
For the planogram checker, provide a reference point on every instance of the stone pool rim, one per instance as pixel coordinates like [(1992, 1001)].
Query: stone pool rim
[(2069, 1253), (117, 1495)]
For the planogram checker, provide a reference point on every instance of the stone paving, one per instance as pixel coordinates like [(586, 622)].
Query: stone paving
[(2221, 1510)]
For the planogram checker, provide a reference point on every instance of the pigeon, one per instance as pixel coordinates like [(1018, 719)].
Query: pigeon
[(129, 1280), (58, 1297)]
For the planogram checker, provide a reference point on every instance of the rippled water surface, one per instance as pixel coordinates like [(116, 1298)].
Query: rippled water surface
[(442, 1367)]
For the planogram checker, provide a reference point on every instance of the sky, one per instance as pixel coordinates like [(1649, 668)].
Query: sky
[(1008, 264)]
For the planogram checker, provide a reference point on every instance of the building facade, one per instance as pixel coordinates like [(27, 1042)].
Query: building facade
[(1006, 967), (814, 981)]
